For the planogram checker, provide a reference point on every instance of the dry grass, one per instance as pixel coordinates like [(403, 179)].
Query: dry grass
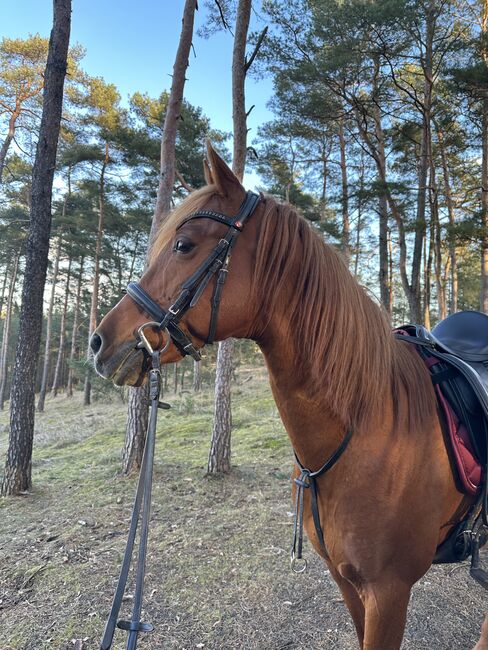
[(218, 575)]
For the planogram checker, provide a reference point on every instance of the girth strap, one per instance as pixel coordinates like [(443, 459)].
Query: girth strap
[(308, 479)]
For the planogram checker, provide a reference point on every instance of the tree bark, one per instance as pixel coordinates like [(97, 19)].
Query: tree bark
[(134, 445), (220, 449), (137, 404), (197, 376), (49, 325), (4, 285), (359, 224), (219, 457), (18, 475), (62, 335), (74, 333), (6, 333)]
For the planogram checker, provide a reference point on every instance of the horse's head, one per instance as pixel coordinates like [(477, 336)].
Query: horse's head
[(186, 249)]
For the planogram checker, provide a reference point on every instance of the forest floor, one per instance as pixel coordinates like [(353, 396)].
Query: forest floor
[(218, 573)]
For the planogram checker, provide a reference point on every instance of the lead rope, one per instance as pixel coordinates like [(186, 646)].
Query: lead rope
[(142, 498)]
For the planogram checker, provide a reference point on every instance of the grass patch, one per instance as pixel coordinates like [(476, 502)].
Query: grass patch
[(218, 575)]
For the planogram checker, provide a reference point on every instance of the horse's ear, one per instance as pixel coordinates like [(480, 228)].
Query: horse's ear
[(207, 172), (219, 173)]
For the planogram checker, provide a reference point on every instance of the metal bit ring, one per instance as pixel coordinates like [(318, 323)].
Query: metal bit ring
[(144, 342)]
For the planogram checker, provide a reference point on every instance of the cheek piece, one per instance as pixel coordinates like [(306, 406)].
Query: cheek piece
[(191, 290)]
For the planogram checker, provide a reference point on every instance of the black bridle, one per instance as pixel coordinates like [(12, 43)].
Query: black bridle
[(191, 290)]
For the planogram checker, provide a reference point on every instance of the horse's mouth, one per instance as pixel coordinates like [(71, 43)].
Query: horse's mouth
[(128, 368)]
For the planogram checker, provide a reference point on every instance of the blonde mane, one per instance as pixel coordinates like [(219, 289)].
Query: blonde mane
[(346, 352)]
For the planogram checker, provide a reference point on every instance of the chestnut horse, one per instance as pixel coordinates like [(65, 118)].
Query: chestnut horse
[(334, 366)]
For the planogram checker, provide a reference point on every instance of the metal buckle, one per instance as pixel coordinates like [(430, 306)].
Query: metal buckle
[(144, 342)]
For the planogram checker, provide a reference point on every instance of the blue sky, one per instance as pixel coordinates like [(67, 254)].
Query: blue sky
[(133, 45)]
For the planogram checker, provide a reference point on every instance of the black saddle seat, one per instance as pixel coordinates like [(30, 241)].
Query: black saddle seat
[(464, 334)]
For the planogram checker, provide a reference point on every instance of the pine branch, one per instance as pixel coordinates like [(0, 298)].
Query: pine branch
[(249, 63)]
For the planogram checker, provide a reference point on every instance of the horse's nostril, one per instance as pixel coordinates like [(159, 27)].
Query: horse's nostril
[(96, 342)]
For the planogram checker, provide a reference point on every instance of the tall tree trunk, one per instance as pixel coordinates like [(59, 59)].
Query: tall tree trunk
[(390, 272), (428, 256), (424, 163), (484, 209), (197, 376), (18, 475), (96, 276), (173, 115), (220, 448), (4, 285), (359, 224), (49, 326), (325, 178), (219, 457), (62, 335), (345, 237), (137, 411), (437, 243), (9, 137), (451, 239), (74, 333), (6, 332), (385, 289), (372, 148)]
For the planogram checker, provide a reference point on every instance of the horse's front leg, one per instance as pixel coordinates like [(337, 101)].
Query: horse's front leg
[(353, 601), (483, 642), (378, 608), (385, 607)]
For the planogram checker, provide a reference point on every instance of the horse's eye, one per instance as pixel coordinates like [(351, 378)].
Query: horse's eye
[(183, 246)]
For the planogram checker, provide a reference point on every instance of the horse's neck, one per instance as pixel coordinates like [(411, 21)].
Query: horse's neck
[(313, 430)]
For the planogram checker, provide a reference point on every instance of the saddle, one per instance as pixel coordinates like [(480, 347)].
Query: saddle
[(456, 354)]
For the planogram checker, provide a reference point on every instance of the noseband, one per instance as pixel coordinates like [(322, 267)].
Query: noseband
[(192, 289)]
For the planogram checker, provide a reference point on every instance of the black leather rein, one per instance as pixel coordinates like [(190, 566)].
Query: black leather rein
[(191, 290)]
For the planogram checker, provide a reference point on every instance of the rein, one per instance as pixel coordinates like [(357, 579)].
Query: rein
[(142, 498)]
